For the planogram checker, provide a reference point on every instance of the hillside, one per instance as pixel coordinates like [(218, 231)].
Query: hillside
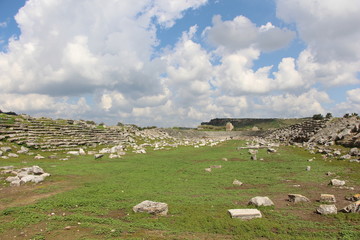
[(241, 124)]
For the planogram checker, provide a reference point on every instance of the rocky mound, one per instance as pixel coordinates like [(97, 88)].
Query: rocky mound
[(341, 131)]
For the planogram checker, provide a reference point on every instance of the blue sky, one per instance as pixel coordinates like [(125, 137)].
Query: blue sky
[(178, 63)]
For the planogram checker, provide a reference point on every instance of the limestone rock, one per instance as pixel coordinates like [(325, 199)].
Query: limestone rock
[(237, 182), (37, 170), (296, 198), (337, 183), (327, 198), (23, 150), (261, 201), (113, 156), (207, 169), (352, 208), (82, 152), (6, 149), (156, 208), (308, 168), (354, 198), (245, 214), (38, 157), (354, 152), (229, 126), (13, 155), (98, 156), (253, 157), (326, 209), (216, 166), (76, 153), (271, 150)]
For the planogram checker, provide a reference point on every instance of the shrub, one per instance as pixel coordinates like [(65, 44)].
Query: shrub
[(318, 117)]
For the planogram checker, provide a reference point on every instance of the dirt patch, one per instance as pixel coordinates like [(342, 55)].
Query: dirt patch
[(157, 235), (116, 214), (30, 193), (42, 231)]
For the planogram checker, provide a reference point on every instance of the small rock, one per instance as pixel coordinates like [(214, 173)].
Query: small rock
[(13, 155), (82, 152), (337, 183), (67, 228), (245, 214), (216, 166), (156, 208), (98, 156), (296, 198), (76, 153), (37, 157), (224, 159), (354, 198), (37, 170), (327, 198), (271, 150), (308, 168), (253, 157), (261, 201), (237, 182), (207, 169), (326, 209)]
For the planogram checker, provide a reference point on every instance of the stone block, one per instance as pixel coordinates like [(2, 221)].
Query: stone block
[(245, 214), (296, 198), (326, 209)]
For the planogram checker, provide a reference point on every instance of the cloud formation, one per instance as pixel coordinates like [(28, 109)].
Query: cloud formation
[(108, 64)]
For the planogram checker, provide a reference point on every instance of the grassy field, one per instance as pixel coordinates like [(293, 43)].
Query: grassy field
[(93, 199)]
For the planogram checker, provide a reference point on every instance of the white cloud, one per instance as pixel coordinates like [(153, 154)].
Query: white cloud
[(330, 30), (290, 105), (241, 33), (43, 104), (354, 95)]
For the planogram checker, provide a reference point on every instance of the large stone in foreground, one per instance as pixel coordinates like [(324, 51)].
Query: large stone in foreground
[(156, 208), (245, 214), (261, 201), (326, 209)]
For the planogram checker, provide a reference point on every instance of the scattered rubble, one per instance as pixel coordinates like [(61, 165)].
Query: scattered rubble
[(33, 174)]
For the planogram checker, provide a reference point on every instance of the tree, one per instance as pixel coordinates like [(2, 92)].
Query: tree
[(347, 115), (328, 116), (318, 117)]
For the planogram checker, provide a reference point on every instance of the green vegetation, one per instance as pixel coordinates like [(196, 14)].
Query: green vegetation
[(265, 124), (94, 198), (318, 117)]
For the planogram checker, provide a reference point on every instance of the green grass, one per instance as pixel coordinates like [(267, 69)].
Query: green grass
[(104, 191)]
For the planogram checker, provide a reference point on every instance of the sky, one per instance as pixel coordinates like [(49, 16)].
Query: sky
[(178, 63)]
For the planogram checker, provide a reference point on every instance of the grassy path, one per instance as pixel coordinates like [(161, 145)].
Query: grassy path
[(93, 199)]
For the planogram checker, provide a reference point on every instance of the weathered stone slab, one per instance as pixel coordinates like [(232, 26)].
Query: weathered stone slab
[(156, 208), (296, 198), (245, 214), (337, 182), (326, 209), (261, 201), (327, 198), (352, 208)]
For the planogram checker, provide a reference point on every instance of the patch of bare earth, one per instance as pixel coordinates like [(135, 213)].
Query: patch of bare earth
[(30, 193)]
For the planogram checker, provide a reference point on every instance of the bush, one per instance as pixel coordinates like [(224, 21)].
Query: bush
[(318, 117), (328, 116)]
